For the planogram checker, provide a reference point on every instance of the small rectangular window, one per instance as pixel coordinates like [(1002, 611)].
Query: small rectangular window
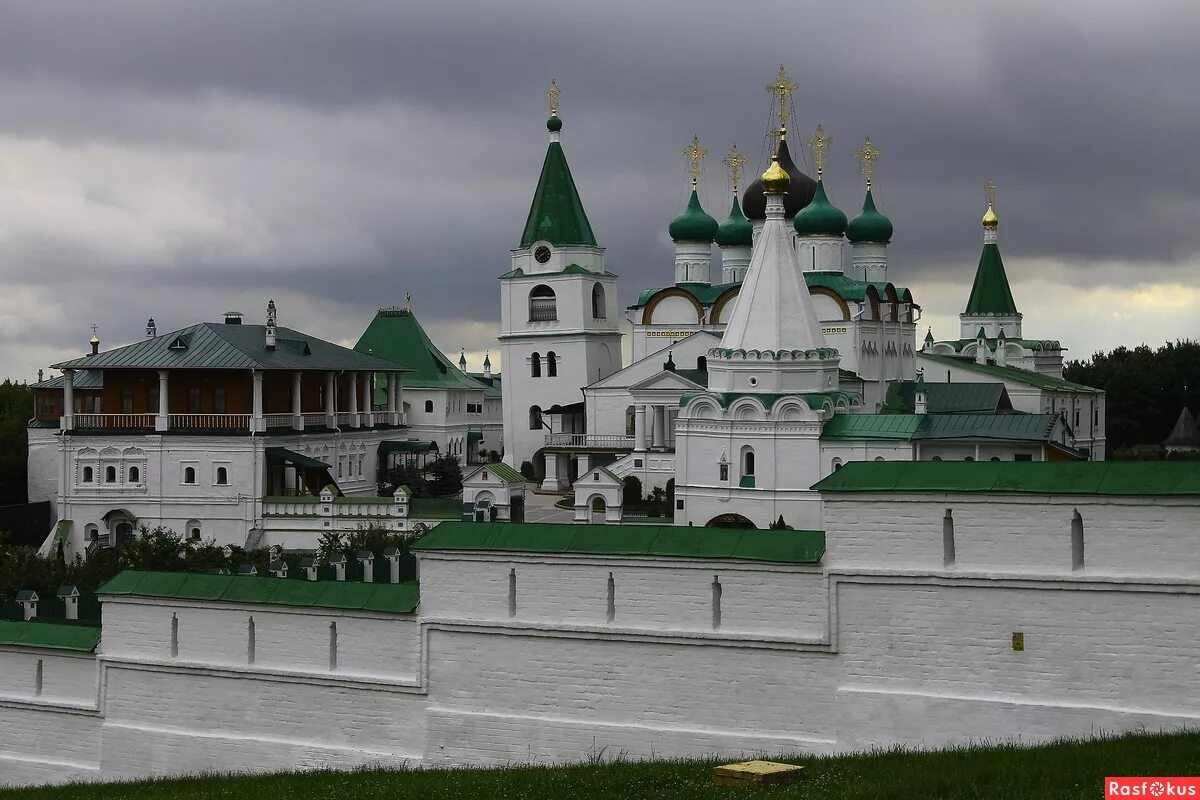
[(152, 401), (127, 401), (218, 401), (193, 401), (724, 472)]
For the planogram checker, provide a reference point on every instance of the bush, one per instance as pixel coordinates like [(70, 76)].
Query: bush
[(527, 470), (631, 494)]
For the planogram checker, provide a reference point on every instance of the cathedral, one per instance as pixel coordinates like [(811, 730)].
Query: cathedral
[(756, 376)]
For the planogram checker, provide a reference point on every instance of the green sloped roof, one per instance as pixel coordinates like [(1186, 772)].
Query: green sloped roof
[(502, 471), (1151, 478), (990, 293), (791, 547), (211, 345), (1014, 374), (914, 427), (556, 214), (49, 635), (399, 598), (396, 334), (948, 398), (83, 379)]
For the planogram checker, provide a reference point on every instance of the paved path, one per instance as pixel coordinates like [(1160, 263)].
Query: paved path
[(541, 508)]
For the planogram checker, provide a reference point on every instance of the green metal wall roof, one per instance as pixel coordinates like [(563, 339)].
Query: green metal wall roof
[(790, 547), (1014, 374), (502, 471), (210, 345), (394, 598), (83, 638), (395, 334), (556, 214), (948, 398), (844, 286), (918, 427), (990, 293), (1130, 478)]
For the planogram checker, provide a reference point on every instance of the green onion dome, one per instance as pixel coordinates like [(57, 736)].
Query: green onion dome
[(870, 225), (820, 217), (736, 230), (693, 225), (554, 124)]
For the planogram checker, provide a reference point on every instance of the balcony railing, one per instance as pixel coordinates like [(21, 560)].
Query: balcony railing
[(279, 420), (583, 440), (345, 419), (118, 421), (210, 422)]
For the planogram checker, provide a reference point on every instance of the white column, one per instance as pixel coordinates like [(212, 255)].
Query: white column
[(256, 416), (391, 398), (584, 460), (660, 426), (639, 428), (551, 481), (400, 420), (162, 422), (330, 400), (353, 399), (297, 411), (68, 419), (367, 399)]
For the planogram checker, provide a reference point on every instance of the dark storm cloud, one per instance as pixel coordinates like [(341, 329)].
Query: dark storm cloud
[(349, 152)]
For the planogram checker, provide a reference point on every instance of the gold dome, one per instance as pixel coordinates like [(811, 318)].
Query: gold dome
[(990, 220), (775, 179)]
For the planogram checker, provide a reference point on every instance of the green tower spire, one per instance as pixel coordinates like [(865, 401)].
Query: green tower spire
[(556, 214), (990, 294)]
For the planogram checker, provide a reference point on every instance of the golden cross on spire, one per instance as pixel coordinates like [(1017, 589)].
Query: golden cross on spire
[(782, 88), (93, 329), (867, 155), (553, 93), (735, 161), (818, 143), (989, 190), (694, 153)]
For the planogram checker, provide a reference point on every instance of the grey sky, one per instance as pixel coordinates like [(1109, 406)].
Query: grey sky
[(178, 158)]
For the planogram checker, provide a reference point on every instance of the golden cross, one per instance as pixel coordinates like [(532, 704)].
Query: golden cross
[(694, 153), (989, 190), (782, 89), (93, 329), (818, 143), (735, 161), (553, 93), (867, 155)]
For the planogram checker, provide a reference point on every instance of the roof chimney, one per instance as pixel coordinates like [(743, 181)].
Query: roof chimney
[(39, 376), (151, 328), (233, 318), (271, 315)]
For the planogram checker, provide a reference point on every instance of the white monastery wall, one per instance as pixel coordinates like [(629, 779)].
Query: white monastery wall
[(43, 466), (539, 658)]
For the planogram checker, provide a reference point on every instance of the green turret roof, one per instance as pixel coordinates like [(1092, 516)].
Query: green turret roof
[(736, 230), (821, 217), (556, 214), (395, 331), (990, 293), (694, 224), (870, 225)]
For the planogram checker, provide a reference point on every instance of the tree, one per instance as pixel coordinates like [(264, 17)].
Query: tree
[(527, 470), (16, 408), (631, 492), (1145, 389), (445, 476)]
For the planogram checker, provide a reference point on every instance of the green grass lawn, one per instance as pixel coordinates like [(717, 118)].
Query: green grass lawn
[(1060, 771)]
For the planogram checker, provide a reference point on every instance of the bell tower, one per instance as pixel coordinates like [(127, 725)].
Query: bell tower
[(558, 317)]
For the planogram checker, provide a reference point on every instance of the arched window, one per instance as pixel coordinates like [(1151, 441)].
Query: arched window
[(629, 421), (535, 418), (702, 363), (91, 532), (599, 310), (937, 458), (535, 365), (551, 364), (222, 476), (193, 530), (747, 462), (189, 475), (110, 474), (428, 406), (837, 464), (88, 475), (135, 475), (542, 304), (969, 458), (995, 458)]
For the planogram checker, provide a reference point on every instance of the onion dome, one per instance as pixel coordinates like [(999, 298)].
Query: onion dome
[(776, 179), (554, 124), (820, 217), (800, 189), (990, 220), (694, 224), (870, 225), (736, 230)]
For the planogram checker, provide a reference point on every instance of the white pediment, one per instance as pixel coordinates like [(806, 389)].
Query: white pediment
[(685, 353), (666, 381)]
